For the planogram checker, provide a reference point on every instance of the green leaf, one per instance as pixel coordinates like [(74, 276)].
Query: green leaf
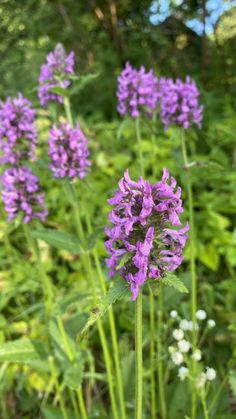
[(123, 260), (74, 374), (173, 281), (21, 350), (232, 382), (83, 81), (51, 412), (119, 290), (209, 256), (92, 238), (58, 90), (59, 239)]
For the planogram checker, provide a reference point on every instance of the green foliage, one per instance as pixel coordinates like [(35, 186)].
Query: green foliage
[(172, 280), (118, 291)]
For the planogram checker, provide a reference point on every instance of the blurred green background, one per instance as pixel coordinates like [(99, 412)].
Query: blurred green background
[(174, 38)]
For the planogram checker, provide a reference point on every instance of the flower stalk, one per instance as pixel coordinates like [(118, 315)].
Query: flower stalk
[(192, 266), (138, 357)]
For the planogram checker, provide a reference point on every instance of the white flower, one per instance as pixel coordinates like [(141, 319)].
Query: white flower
[(210, 373), (183, 372), (177, 358), (173, 314), (171, 349), (201, 380), (184, 345), (201, 314), (184, 324), (197, 355), (178, 334), (211, 323)]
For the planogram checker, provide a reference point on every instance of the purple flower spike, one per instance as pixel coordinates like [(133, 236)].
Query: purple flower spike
[(68, 150), (137, 92), (20, 193), (58, 65), (146, 233), (18, 135), (179, 103)]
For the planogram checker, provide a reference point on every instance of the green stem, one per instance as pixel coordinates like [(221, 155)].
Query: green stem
[(159, 351), (88, 268), (138, 357), (137, 128), (192, 266), (68, 111), (82, 404), (57, 385), (112, 327), (203, 400), (71, 358), (46, 284), (152, 354), (74, 404)]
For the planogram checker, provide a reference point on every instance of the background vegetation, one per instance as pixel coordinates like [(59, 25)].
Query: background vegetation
[(104, 35)]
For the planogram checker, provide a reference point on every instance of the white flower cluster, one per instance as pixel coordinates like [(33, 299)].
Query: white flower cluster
[(208, 375), (181, 352)]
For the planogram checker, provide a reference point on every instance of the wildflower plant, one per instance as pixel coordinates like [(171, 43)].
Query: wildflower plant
[(18, 131), (182, 352), (137, 92), (68, 151), (21, 194), (56, 72), (147, 237), (179, 104)]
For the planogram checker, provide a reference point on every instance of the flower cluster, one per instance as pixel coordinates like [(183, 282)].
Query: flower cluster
[(145, 240), (179, 102), (20, 193), (55, 73), (183, 351), (137, 91), (18, 135), (68, 150)]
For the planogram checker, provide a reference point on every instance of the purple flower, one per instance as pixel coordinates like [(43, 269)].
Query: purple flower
[(18, 135), (20, 193), (137, 92), (58, 66), (68, 150), (179, 103), (146, 239)]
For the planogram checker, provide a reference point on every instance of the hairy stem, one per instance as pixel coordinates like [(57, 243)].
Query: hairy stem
[(140, 153), (159, 352), (112, 327), (192, 267), (138, 357)]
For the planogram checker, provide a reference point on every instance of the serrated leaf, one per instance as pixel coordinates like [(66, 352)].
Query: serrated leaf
[(119, 290), (58, 90), (173, 281), (123, 260), (60, 240), (21, 350)]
